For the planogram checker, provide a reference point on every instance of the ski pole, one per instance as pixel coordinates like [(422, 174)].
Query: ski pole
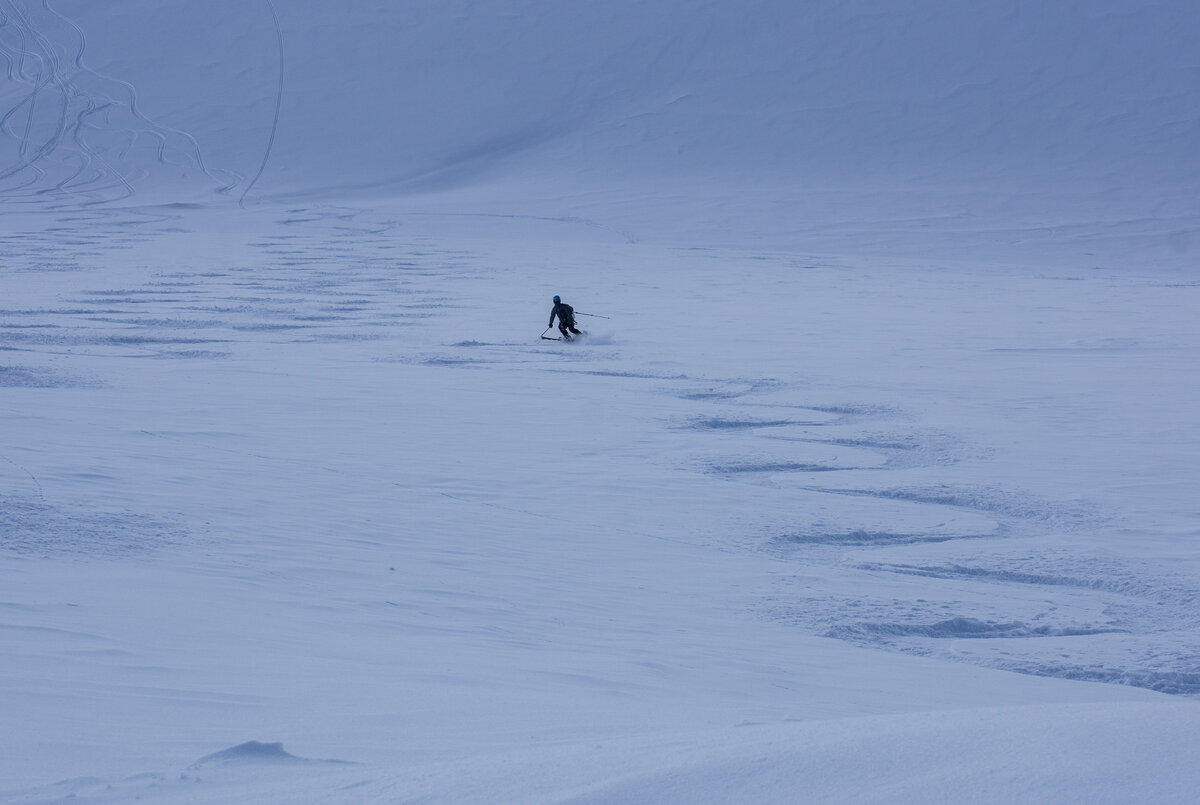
[(593, 315)]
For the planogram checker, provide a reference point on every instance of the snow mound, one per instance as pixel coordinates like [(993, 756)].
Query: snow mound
[(250, 752)]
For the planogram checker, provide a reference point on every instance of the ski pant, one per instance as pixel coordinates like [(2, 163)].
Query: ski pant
[(564, 326)]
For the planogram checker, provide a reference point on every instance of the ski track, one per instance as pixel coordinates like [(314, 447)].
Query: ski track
[(301, 296), (31, 527), (1101, 619), (278, 108), (1098, 618)]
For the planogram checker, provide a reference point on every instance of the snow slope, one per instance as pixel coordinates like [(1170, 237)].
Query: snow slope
[(728, 121), (439, 94), (875, 483)]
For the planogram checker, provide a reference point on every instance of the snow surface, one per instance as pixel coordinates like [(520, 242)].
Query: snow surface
[(876, 482)]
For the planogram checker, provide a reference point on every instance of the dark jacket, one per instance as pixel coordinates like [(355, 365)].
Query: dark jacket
[(565, 313)]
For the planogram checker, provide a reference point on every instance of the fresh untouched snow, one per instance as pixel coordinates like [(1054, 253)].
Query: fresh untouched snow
[(873, 478)]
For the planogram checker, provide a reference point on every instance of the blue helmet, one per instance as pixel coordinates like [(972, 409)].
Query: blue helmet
[(556, 299)]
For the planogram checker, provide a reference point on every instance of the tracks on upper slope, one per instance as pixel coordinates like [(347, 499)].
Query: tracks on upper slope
[(70, 135)]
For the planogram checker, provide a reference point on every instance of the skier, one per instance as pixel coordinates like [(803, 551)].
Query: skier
[(566, 319)]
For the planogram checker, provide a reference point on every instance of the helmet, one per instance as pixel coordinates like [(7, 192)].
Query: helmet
[(556, 299)]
